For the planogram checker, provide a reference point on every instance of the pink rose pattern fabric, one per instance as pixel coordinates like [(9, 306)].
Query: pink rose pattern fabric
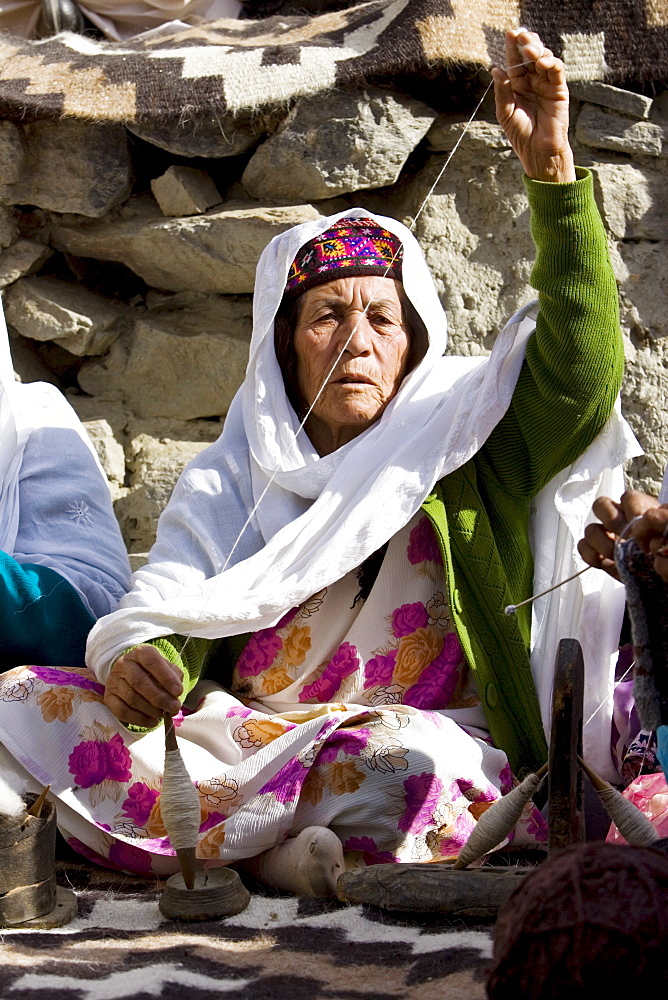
[(649, 792), (338, 718), (260, 652), (95, 761), (344, 663), (422, 544)]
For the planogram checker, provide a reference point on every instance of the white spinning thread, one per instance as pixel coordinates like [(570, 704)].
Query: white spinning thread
[(510, 609), (179, 806), (605, 700), (179, 803)]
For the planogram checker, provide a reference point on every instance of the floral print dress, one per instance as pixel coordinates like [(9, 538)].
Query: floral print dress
[(356, 714)]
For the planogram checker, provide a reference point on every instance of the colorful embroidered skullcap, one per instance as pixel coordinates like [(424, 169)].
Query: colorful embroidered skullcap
[(349, 248)]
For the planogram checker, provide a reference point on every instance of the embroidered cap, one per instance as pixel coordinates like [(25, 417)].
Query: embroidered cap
[(351, 247)]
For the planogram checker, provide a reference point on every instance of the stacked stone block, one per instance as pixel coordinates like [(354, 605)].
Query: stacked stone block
[(127, 259)]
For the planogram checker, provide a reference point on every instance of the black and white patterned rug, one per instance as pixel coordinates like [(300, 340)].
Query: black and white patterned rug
[(279, 948)]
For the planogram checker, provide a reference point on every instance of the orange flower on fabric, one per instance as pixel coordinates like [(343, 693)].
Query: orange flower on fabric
[(296, 645), (416, 651), (218, 794), (85, 694), (258, 733), (154, 824), (56, 703), (343, 777), (275, 679), (478, 808), (210, 844), (313, 787)]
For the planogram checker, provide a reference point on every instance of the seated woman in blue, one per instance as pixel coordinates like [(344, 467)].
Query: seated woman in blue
[(62, 559)]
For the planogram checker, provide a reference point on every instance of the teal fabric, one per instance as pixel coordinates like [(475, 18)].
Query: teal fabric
[(42, 618), (662, 748)]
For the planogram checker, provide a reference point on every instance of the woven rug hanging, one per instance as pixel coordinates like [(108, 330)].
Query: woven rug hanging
[(243, 66)]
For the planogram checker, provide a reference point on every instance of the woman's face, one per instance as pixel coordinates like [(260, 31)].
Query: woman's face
[(369, 372)]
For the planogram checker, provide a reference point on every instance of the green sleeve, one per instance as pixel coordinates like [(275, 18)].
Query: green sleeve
[(188, 654), (573, 368)]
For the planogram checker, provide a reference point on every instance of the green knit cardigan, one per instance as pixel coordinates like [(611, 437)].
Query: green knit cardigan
[(566, 391)]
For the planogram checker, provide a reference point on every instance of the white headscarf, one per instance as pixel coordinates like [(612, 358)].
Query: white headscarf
[(319, 517), (55, 506)]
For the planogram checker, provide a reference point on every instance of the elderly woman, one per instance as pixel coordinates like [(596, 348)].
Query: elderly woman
[(337, 565)]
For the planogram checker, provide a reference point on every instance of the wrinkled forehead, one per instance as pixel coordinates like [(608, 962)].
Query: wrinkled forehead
[(360, 291)]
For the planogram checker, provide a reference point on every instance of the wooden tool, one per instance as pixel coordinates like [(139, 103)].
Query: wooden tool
[(218, 892), (179, 806), (565, 815), (37, 806), (193, 894), (431, 888), (29, 896)]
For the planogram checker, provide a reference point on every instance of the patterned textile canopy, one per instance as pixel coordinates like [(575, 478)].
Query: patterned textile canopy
[(240, 66)]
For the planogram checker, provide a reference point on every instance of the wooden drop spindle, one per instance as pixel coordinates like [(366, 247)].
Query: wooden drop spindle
[(186, 855)]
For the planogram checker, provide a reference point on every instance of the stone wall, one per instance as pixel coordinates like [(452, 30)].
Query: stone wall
[(127, 264)]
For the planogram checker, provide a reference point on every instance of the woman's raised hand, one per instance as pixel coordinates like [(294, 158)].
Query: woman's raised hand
[(532, 107), (142, 687)]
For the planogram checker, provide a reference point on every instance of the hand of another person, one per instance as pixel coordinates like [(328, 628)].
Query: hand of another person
[(142, 687), (597, 546), (532, 107), (651, 533)]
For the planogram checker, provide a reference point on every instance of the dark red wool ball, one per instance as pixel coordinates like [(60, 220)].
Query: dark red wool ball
[(592, 921)]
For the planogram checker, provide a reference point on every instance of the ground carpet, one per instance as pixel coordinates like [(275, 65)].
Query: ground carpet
[(279, 948)]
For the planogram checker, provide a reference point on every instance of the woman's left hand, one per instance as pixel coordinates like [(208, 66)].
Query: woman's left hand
[(532, 107)]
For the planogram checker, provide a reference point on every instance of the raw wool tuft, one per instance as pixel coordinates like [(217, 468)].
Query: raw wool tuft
[(591, 921), (11, 801)]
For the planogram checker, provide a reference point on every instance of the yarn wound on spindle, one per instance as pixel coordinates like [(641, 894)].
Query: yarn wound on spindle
[(591, 921)]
